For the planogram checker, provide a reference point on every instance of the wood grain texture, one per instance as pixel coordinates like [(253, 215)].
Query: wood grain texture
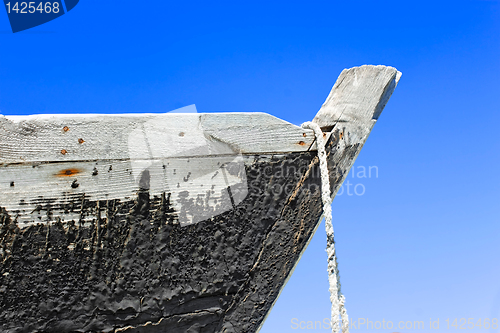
[(60, 138), (358, 97), (195, 157), (200, 187)]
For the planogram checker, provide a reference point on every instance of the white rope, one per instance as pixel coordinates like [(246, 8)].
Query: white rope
[(336, 297)]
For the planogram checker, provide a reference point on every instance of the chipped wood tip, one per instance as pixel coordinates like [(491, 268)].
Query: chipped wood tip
[(359, 95)]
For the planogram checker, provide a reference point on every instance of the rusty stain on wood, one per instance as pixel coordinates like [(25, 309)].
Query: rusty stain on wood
[(68, 172), (80, 141), (64, 151), (65, 128)]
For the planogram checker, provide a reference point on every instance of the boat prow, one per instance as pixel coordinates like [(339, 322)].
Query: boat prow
[(167, 222)]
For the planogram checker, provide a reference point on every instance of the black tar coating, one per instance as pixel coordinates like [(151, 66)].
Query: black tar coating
[(136, 267)]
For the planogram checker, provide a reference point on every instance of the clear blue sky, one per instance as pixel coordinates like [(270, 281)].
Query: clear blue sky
[(423, 241)]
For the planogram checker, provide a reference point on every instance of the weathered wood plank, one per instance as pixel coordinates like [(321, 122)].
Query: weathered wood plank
[(59, 138), (358, 97), (354, 105), (200, 187), (186, 155)]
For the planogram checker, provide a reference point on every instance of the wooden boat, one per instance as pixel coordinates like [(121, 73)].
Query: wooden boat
[(167, 222)]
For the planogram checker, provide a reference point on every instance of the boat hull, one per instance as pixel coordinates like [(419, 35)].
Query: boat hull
[(140, 253), (136, 269)]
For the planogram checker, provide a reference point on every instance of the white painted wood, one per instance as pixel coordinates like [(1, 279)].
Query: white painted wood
[(24, 189), (99, 157), (358, 97), (58, 138)]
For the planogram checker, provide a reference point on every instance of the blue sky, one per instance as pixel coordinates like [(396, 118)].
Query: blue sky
[(423, 241)]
